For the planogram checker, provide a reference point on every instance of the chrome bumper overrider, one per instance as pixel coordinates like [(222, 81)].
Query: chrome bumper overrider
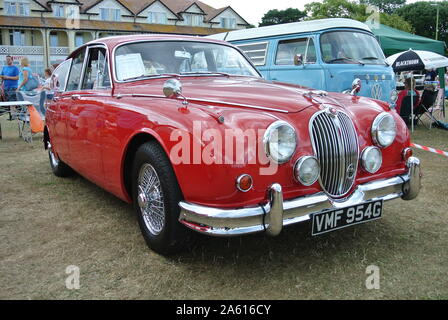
[(277, 213)]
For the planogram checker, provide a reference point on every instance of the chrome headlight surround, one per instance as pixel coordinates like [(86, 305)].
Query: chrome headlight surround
[(280, 130), (366, 155), (384, 130), (299, 167)]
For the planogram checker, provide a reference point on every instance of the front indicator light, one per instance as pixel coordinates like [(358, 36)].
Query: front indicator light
[(244, 183)]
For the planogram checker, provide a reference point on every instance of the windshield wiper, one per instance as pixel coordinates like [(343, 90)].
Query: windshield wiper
[(205, 73), (152, 76), (375, 58), (345, 58)]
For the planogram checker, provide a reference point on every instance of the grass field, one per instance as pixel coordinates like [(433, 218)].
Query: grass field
[(48, 223)]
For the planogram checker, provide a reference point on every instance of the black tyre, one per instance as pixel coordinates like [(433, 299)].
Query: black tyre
[(59, 168), (156, 195)]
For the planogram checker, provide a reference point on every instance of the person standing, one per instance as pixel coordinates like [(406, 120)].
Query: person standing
[(28, 82), (10, 75)]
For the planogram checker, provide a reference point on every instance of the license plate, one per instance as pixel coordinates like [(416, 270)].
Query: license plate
[(327, 221)]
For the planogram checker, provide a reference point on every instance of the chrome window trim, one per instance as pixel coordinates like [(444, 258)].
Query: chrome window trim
[(68, 61), (169, 40), (82, 70), (94, 46)]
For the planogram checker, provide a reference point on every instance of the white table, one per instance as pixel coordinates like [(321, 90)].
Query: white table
[(10, 104)]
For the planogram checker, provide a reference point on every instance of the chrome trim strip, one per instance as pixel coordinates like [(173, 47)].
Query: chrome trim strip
[(134, 95), (277, 213)]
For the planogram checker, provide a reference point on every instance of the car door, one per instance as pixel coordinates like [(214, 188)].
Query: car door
[(56, 114), (87, 116), (309, 73)]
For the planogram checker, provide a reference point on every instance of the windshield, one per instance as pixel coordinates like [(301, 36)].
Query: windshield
[(350, 47), (152, 59)]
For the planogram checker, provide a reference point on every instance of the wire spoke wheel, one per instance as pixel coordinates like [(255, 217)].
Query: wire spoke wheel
[(150, 199)]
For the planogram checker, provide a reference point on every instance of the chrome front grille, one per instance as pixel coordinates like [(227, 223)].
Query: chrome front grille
[(335, 144)]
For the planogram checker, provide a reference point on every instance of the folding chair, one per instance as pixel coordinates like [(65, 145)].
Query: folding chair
[(430, 107), (29, 117), (406, 107)]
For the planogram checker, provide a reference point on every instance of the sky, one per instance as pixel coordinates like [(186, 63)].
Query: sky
[(253, 10)]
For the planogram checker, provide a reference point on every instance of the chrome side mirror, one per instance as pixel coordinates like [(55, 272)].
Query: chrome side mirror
[(298, 60), (172, 88)]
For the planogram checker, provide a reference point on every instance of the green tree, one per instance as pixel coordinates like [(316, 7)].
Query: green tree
[(352, 10), (422, 16), (386, 6), (282, 16)]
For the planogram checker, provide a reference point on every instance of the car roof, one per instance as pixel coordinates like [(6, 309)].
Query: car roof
[(290, 28), (117, 40)]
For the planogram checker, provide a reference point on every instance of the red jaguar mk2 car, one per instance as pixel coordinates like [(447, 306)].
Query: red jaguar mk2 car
[(187, 130)]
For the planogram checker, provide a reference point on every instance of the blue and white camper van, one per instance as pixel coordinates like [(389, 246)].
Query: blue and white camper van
[(328, 54)]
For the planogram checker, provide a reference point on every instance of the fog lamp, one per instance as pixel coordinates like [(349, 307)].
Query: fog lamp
[(306, 170), (372, 159)]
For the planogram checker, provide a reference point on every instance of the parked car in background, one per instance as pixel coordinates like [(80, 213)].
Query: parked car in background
[(326, 54), (186, 129)]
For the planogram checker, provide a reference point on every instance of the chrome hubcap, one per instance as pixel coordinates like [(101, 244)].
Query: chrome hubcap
[(150, 199)]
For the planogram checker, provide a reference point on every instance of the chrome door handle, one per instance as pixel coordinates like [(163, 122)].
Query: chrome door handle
[(76, 97), (55, 99)]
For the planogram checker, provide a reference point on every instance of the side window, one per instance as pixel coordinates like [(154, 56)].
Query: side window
[(96, 75), (256, 52), (75, 73), (287, 49), (59, 76)]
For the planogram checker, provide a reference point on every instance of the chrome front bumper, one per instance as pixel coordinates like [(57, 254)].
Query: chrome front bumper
[(277, 213)]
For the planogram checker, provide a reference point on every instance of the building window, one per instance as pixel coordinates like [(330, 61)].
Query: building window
[(17, 37), (79, 40), (54, 41), (17, 8), (193, 19), (157, 17), (58, 11), (228, 23), (109, 14)]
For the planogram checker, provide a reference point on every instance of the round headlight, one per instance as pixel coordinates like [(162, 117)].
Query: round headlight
[(384, 130), (306, 170), (393, 96), (280, 141), (371, 159)]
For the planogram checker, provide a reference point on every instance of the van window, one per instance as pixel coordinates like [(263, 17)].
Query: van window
[(256, 52), (350, 47), (287, 49)]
